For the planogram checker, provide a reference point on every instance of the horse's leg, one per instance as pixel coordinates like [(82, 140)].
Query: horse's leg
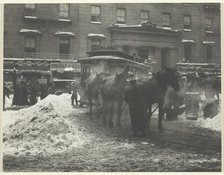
[(119, 111), (111, 113), (104, 113), (149, 113), (90, 106), (161, 113)]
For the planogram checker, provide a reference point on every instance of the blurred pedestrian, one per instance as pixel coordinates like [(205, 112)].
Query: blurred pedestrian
[(74, 89)]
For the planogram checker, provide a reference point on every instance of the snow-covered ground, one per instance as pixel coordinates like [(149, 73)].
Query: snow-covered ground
[(45, 128)]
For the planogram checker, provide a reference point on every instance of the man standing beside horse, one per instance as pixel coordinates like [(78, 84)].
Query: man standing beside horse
[(136, 106)]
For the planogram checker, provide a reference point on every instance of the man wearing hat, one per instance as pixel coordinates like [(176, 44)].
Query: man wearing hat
[(135, 101)]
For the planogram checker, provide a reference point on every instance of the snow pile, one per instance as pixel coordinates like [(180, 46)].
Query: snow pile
[(43, 128), (211, 123)]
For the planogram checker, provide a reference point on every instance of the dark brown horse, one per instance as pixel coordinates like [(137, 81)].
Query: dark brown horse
[(154, 90)]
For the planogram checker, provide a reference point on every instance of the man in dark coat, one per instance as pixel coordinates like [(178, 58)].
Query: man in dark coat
[(136, 106)]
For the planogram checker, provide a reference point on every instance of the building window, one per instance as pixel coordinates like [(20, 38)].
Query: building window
[(64, 45), (121, 15), (30, 6), (95, 13), (95, 44), (187, 51), (30, 9), (209, 52), (166, 19), (126, 49), (208, 23), (187, 22), (30, 44), (64, 10), (144, 16)]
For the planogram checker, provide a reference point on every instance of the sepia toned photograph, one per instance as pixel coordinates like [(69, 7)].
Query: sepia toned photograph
[(111, 87)]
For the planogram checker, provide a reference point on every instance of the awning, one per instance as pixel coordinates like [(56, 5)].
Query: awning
[(187, 41), (60, 33), (29, 31), (93, 35), (208, 42)]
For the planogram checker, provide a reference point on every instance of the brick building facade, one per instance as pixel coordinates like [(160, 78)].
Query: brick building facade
[(167, 32)]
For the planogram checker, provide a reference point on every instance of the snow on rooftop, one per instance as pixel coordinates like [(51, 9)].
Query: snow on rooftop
[(64, 33), (125, 25), (208, 42), (187, 41), (64, 20), (96, 35), (68, 69), (29, 31), (208, 31), (30, 17), (168, 28), (96, 22), (187, 30)]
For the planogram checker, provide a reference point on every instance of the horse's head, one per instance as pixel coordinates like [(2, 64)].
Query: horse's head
[(169, 76)]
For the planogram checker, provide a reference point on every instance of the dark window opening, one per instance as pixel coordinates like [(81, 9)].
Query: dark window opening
[(30, 9), (121, 15), (166, 19), (209, 50), (187, 22), (30, 44), (64, 46), (64, 10), (126, 49), (144, 16), (187, 52), (208, 23), (95, 44), (95, 13)]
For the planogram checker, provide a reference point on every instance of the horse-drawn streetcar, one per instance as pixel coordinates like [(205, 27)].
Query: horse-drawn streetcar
[(111, 62)]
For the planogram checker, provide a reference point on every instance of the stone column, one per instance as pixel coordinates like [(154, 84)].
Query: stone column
[(157, 57)]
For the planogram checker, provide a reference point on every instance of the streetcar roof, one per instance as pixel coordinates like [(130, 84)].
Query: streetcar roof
[(65, 80), (109, 57)]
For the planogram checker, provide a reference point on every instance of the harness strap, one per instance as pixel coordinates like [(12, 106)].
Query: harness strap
[(155, 109)]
